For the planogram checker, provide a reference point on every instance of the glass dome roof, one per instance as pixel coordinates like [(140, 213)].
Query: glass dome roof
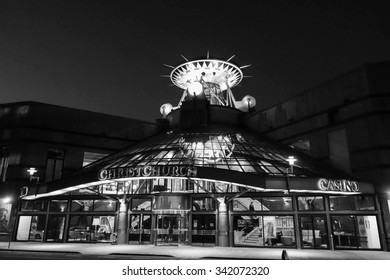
[(217, 146)]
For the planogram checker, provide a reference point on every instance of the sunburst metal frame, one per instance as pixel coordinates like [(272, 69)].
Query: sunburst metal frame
[(224, 74)]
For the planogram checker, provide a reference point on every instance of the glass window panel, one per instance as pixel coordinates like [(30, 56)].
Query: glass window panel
[(247, 204), (104, 205), (23, 228), (314, 232), (59, 205), (37, 228), (40, 205), (259, 231), (361, 202), (350, 231), (368, 235), (80, 228), (341, 203), (109, 189), (171, 202), (82, 205), (310, 203), (27, 205), (55, 228), (203, 204), (279, 231), (365, 202), (141, 204), (277, 203)]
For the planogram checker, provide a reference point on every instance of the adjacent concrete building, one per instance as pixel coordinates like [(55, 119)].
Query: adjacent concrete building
[(343, 122), (55, 141)]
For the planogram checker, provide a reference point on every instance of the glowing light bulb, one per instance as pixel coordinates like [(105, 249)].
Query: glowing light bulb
[(249, 101), (194, 88), (165, 109)]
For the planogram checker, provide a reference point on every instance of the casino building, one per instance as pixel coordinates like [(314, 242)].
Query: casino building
[(206, 180)]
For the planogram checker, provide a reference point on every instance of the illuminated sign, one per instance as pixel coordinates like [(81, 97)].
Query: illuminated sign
[(148, 171), (338, 185)]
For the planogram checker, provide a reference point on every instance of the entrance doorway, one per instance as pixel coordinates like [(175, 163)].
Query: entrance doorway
[(140, 229), (168, 228), (314, 232), (203, 230)]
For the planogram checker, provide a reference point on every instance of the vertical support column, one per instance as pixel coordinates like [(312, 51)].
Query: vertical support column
[(329, 223), (223, 223), (122, 222), (383, 210), (297, 227)]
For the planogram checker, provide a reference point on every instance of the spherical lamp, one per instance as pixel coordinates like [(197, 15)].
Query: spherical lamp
[(249, 101), (165, 109)]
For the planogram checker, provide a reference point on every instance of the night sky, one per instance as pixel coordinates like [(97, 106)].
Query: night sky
[(107, 56)]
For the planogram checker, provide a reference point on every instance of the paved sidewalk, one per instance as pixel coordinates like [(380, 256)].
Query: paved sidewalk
[(186, 252)]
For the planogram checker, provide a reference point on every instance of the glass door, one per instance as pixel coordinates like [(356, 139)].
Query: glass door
[(203, 230), (140, 229), (314, 232), (168, 229), (55, 229)]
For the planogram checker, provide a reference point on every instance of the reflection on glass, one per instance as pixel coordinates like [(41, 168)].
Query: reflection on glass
[(350, 231), (91, 228), (361, 202), (271, 231), (277, 203), (203, 229), (314, 232), (55, 229), (58, 205), (247, 204), (104, 205), (203, 204), (168, 229), (310, 203), (27, 205), (171, 202), (365, 202), (274, 203), (141, 204), (24, 225), (82, 205), (37, 228), (140, 229), (34, 205)]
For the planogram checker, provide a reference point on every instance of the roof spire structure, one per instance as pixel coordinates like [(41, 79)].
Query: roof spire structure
[(209, 78)]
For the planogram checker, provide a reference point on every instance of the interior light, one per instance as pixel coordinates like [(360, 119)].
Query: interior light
[(7, 200), (194, 88)]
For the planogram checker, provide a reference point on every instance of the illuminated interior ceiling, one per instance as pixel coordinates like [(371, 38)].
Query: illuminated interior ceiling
[(219, 146), (214, 71)]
